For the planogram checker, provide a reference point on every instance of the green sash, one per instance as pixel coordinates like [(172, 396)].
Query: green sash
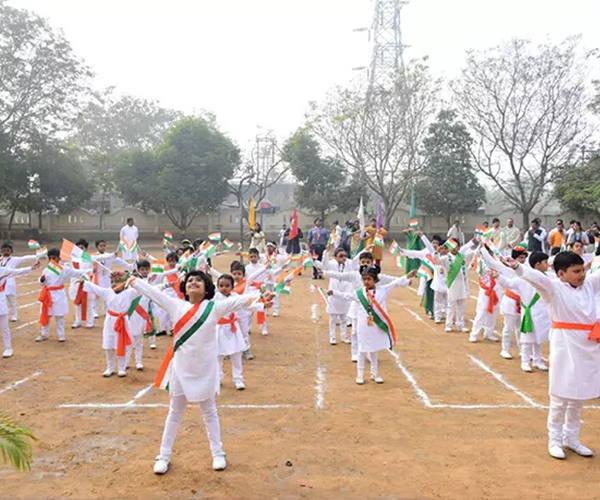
[(455, 269), (380, 322), (527, 322), (195, 327)]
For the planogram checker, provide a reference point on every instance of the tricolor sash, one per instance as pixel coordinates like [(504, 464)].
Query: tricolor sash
[(184, 329), (137, 308), (455, 269), (380, 317), (527, 322), (120, 328)]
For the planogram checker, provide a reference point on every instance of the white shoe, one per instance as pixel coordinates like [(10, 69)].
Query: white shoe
[(139, 367), (89, 327), (74, 326), (464, 329), (161, 466), (346, 341), (96, 316), (14, 319), (62, 339), (492, 339), (556, 451), (333, 341), (354, 358), (122, 373), (248, 355), (506, 354), (360, 380), (108, 373), (265, 333), (438, 321), (448, 329), (8, 353), (276, 314), (40, 338), (473, 340), (578, 447), (377, 379), (219, 462), (153, 346), (239, 385), (541, 366), (526, 367)]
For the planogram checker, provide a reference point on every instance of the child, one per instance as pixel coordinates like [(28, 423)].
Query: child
[(191, 367), (438, 285), (488, 301), (230, 339), (103, 263), (84, 310), (251, 269), (8, 261), (375, 330), (116, 333), (574, 348), (53, 298), (273, 260), (141, 319), (455, 267), (337, 309), (172, 288), (5, 274)]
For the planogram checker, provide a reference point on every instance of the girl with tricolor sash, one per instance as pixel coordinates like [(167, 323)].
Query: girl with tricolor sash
[(84, 303), (190, 370), (5, 274), (374, 328), (488, 303)]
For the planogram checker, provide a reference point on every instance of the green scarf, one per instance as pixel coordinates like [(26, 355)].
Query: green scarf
[(527, 322), (455, 268)]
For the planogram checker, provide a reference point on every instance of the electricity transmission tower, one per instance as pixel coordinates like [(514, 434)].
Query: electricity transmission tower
[(387, 61)]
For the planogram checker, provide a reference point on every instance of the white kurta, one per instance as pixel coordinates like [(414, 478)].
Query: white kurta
[(574, 360), (482, 298), (229, 342), (372, 338), (5, 274), (60, 306), (459, 290), (195, 368), (74, 286), (116, 302), (130, 234), (13, 262), (102, 275), (336, 304)]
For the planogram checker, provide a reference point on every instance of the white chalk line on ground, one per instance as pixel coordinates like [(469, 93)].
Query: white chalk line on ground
[(109, 406), (28, 305), (416, 315), (321, 379), (19, 382), (25, 325)]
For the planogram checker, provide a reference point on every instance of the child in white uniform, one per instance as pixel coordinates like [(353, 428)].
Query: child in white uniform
[(455, 267), (84, 303), (9, 261), (103, 263), (337, 309)]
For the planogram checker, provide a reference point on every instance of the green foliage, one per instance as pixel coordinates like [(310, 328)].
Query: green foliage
[(322, 182), (15, 447), (185, 176), (448, 185), (578, 189)]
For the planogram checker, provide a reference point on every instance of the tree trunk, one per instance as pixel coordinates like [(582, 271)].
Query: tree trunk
[(102, 202), (10, 222), (240, 202), (525, 213), (40, 224)]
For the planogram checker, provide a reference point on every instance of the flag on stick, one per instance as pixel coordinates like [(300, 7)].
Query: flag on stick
[(413, 223), (394, 248), (451, 244), (379, 241), (227, 244), (69, 251), (322, 293), (214, 237), (41, 253), (33, 245), (252, 214), (294, 225), (427, 269), (54, 267)]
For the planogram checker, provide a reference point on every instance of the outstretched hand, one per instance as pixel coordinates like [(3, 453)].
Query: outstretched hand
[(509, 262), (267, 299), (412, 274)]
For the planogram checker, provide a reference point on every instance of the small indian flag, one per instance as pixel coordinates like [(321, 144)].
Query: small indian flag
[(331, 240), (55, 268), (322, 293), (33, 245), (227, 244), (209, 250), (214, 236), (168, 235), (451, 244), (394, 248), (69, 251), (486, 232), (400, 261), (307, 261), (379, 241), (122, 246), (158, 266), (41, 253), (426, 270), (283, 287), (413, 223)]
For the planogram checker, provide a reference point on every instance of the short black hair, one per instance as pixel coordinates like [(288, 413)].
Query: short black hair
[(559, 220), (436, 237), (517, 252), (226, 277), (129, 219), (572, 221), (99, 241), (7, 245), (236, 265), (142, 263), (54, 252), (253, 251), (495, 219), (209, 286), (83, 242), (367, 255), (555, 251), (537, 257), (317, 219), (442, 241), (338, 250), (172, 256), (372, 271), (565, 260), (572, 243)]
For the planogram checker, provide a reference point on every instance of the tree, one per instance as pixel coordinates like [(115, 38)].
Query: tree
[(525, 106), (109, 125), (578, 189), (377, 134), (42, 80), (186, 176), (448, 185), (322, 182), (15, 446)]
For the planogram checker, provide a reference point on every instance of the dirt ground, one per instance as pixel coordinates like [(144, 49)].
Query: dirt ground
[(452, 420)]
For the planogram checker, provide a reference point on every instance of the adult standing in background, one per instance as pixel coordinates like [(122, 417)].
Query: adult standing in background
[(578, 235), (293, 244), (512, 235), (317, 242), (497, 238), (258, 239), (456, 233), (535, 236), (129, 236), (372, 231), (283, 232), (557, 237)]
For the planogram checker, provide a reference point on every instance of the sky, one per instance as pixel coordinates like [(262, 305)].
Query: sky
[(257, 63)]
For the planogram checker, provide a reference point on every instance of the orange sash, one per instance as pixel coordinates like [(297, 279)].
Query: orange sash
[(240, 288), (144, 314), (2, 287), (45, 297), (593, 329), (231, 320), (490, 291), (515, 297), (174, 282), (81, 299), (120, 327)]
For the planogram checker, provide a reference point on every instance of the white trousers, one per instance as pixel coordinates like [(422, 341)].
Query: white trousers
[(529, 350), (164, 320), (564, 420), (354, 339), (60, 327), (373, 357), (11, 300), (138, 347), (512, 325), (334, 320), (90, 313), (456, 307), (5, 332), (211, 422), (236, 367), (111, 355), (99, 306), (486, 322), (245, 324), (440, 301)]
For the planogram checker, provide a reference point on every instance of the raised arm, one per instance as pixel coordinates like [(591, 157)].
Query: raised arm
[(350, 297), (427, 244), (509, 283), (414, 254), (106, 293), (25, 258), (403, 281), (6, 272), (350, 277), (168, 303), (537, 280), (234, 303), (496, 265)]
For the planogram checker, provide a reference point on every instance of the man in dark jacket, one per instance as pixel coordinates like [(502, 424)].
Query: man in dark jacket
[(293, 244)]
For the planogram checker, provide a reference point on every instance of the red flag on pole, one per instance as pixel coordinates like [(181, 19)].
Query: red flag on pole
[(294, 225)]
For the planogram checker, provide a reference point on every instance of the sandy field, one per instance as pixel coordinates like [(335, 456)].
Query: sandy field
[(452, 420)]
